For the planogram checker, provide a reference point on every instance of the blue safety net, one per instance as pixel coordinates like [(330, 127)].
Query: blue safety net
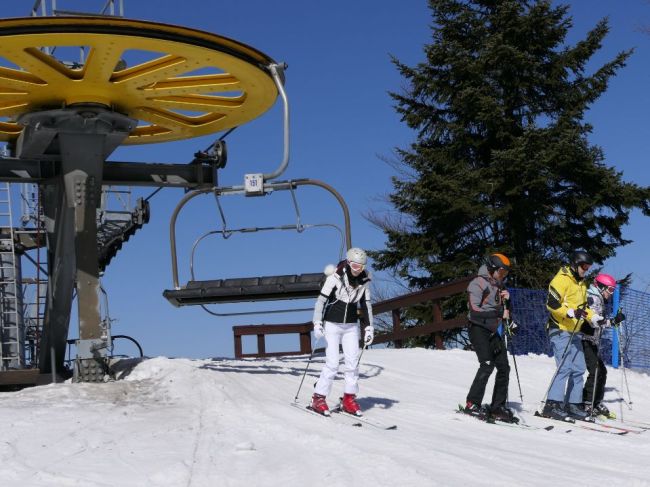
[(530, 313)]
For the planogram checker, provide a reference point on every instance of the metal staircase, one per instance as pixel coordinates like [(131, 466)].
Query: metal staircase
[(11, 324), (117, 220), (35, 293), (33, 278)]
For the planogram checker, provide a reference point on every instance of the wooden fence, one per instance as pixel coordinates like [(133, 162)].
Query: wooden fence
[(434, 295), (261, 331)]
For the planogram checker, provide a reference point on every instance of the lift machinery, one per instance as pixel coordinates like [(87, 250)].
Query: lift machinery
[(62, 120)]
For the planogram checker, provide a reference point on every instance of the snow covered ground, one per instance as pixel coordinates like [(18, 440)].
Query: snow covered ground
[(225, 422)]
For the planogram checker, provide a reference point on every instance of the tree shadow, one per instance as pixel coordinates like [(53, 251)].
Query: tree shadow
[(294, 366), (369, 370), (258, 368), (368, 403)]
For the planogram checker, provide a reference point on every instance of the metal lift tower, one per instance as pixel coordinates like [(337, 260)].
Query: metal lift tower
[(62, 120)]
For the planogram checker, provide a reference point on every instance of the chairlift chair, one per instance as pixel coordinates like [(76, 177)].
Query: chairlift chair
[(250, 289)]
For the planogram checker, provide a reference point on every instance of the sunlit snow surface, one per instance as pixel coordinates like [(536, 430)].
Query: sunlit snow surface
[(225, 422)]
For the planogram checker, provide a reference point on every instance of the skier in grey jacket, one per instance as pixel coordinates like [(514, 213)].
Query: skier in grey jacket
[(486, 298)]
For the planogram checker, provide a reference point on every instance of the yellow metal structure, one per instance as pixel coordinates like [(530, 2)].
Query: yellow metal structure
[(177, 82)]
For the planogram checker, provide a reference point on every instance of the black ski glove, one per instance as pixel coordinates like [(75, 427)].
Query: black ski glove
[(577, 313), (620, 317)]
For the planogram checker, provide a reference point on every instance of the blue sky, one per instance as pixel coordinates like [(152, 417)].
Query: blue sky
[(342, 124)]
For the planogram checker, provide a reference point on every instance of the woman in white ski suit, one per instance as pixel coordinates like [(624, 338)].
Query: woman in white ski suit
[(336, 318)]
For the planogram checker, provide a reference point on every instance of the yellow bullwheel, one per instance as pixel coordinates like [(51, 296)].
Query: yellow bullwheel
[(174, 81)]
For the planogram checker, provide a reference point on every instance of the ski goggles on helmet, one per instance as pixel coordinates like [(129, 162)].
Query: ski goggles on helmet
[(356, 267)]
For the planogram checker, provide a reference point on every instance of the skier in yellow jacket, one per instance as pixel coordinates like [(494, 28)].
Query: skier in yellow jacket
[(567, 303)]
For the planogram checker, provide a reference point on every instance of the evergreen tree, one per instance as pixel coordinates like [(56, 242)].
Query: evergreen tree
[(502, 160)]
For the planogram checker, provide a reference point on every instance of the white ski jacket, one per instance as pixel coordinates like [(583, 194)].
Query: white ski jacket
[(340, 295)]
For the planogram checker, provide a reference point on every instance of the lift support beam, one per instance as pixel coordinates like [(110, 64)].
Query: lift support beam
[(191, 176)]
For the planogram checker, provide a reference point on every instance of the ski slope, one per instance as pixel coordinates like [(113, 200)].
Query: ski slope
[(226, 422)]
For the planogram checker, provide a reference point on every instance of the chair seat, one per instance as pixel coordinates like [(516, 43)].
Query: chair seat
[(251, 289)]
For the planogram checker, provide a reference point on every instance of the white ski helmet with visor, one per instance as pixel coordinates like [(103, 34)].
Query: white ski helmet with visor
[(357, 256)]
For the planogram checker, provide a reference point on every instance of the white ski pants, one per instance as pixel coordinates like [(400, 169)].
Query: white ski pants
[(347, 335)]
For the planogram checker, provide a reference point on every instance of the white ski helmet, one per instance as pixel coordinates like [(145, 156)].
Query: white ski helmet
[(357, 255)]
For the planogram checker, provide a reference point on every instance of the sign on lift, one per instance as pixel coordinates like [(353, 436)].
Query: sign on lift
[(254, 184)]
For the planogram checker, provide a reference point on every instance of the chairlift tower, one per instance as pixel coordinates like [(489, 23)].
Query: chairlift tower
[(62, 121), (118, 218)]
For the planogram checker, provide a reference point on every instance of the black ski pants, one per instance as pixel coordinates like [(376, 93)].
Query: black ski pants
[(594, 362), (491, 353)]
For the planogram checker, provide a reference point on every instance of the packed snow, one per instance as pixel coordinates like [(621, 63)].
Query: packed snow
[(226, 422)]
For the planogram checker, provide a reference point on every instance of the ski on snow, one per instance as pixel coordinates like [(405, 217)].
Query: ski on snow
[(350, 418), (488, 420), (621, 428), (630, 428), (308, 409), (587, 425), (369, 421), (622, 423)]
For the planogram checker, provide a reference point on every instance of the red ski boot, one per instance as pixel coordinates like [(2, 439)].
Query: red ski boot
[(319, 405), (350, 405)]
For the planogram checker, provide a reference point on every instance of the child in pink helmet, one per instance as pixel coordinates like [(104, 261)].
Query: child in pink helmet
[(600, 291)]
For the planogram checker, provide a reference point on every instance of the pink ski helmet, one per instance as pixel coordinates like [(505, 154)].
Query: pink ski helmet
[(605, 282)]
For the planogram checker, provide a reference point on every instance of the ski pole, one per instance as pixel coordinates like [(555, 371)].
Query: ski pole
[(361, 355), (595, 384), (514, 361), (363, 349), (295, 399), (627, 386)]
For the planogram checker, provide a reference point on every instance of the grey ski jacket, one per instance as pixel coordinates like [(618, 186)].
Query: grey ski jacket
[(484, 301)]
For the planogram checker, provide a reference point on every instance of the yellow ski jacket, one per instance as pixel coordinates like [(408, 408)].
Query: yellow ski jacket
[(566, 291)]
